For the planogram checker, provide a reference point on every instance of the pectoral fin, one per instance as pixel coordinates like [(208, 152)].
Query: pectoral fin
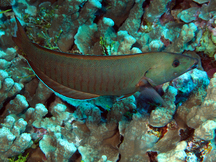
[(120, 98), (144, 81), (149, 94)]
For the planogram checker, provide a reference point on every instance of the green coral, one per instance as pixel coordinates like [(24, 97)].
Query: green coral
[(1, 12), (207, 44), (30, 71), (107, 5), (4, 26), (42, 21), (108, 108), (20, 158), (129, 114), (146, 27), (107, 47), (50, 44)]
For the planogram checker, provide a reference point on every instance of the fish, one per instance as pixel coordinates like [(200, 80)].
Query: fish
[(90, 76)]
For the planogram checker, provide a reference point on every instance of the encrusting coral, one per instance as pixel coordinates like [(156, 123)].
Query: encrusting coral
[(47, 126), (204, 115)]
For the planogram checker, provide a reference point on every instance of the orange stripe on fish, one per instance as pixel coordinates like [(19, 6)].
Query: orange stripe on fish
[(90, 76)]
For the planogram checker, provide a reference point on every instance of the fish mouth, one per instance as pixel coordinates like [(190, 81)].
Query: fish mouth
[(195, 65)]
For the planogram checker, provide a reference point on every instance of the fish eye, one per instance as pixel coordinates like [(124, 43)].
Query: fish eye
[(175, 63)]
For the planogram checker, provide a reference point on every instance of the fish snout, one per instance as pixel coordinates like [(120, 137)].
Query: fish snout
[(195, 65)]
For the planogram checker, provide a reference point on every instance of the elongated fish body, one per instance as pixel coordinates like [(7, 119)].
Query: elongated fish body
[(89, 76)]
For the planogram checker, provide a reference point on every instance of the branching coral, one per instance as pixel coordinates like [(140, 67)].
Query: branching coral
[(56, 149), (104, 129), (11, 68), (186, 35), (13, 139)]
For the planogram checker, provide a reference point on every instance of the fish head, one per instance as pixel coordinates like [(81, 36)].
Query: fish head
[(170, 66)]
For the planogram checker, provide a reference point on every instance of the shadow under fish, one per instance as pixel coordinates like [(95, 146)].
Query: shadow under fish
[(149, 98)]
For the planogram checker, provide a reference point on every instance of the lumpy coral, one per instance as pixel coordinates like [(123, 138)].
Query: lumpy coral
[(44, 126)]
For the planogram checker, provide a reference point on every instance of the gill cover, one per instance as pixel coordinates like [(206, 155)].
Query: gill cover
[(170, 67)]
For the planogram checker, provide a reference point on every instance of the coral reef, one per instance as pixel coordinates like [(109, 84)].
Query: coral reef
[(41, 125), (205, 114), (178, 154), (13, 139)]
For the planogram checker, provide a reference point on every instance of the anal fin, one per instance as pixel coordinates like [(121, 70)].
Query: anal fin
[(59, 88)]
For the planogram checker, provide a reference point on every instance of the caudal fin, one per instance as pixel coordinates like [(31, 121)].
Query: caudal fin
[(21, 39)]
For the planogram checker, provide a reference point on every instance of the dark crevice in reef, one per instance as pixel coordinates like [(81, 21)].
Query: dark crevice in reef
[(119, 158), (146, 3), (186, 133), (3, 8), (115, 28), (82, 5), (181, 98), (23, 112), (2, 110), (152, 156), (104, 112), (126, 17), (121, 140), (50, 100), (100, 14), (136, 44), (48, 115), (71, 108), (75, 156), (73, 45), (177, 2)]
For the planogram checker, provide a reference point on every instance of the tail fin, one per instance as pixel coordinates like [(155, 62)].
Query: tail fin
[(21, 39)]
